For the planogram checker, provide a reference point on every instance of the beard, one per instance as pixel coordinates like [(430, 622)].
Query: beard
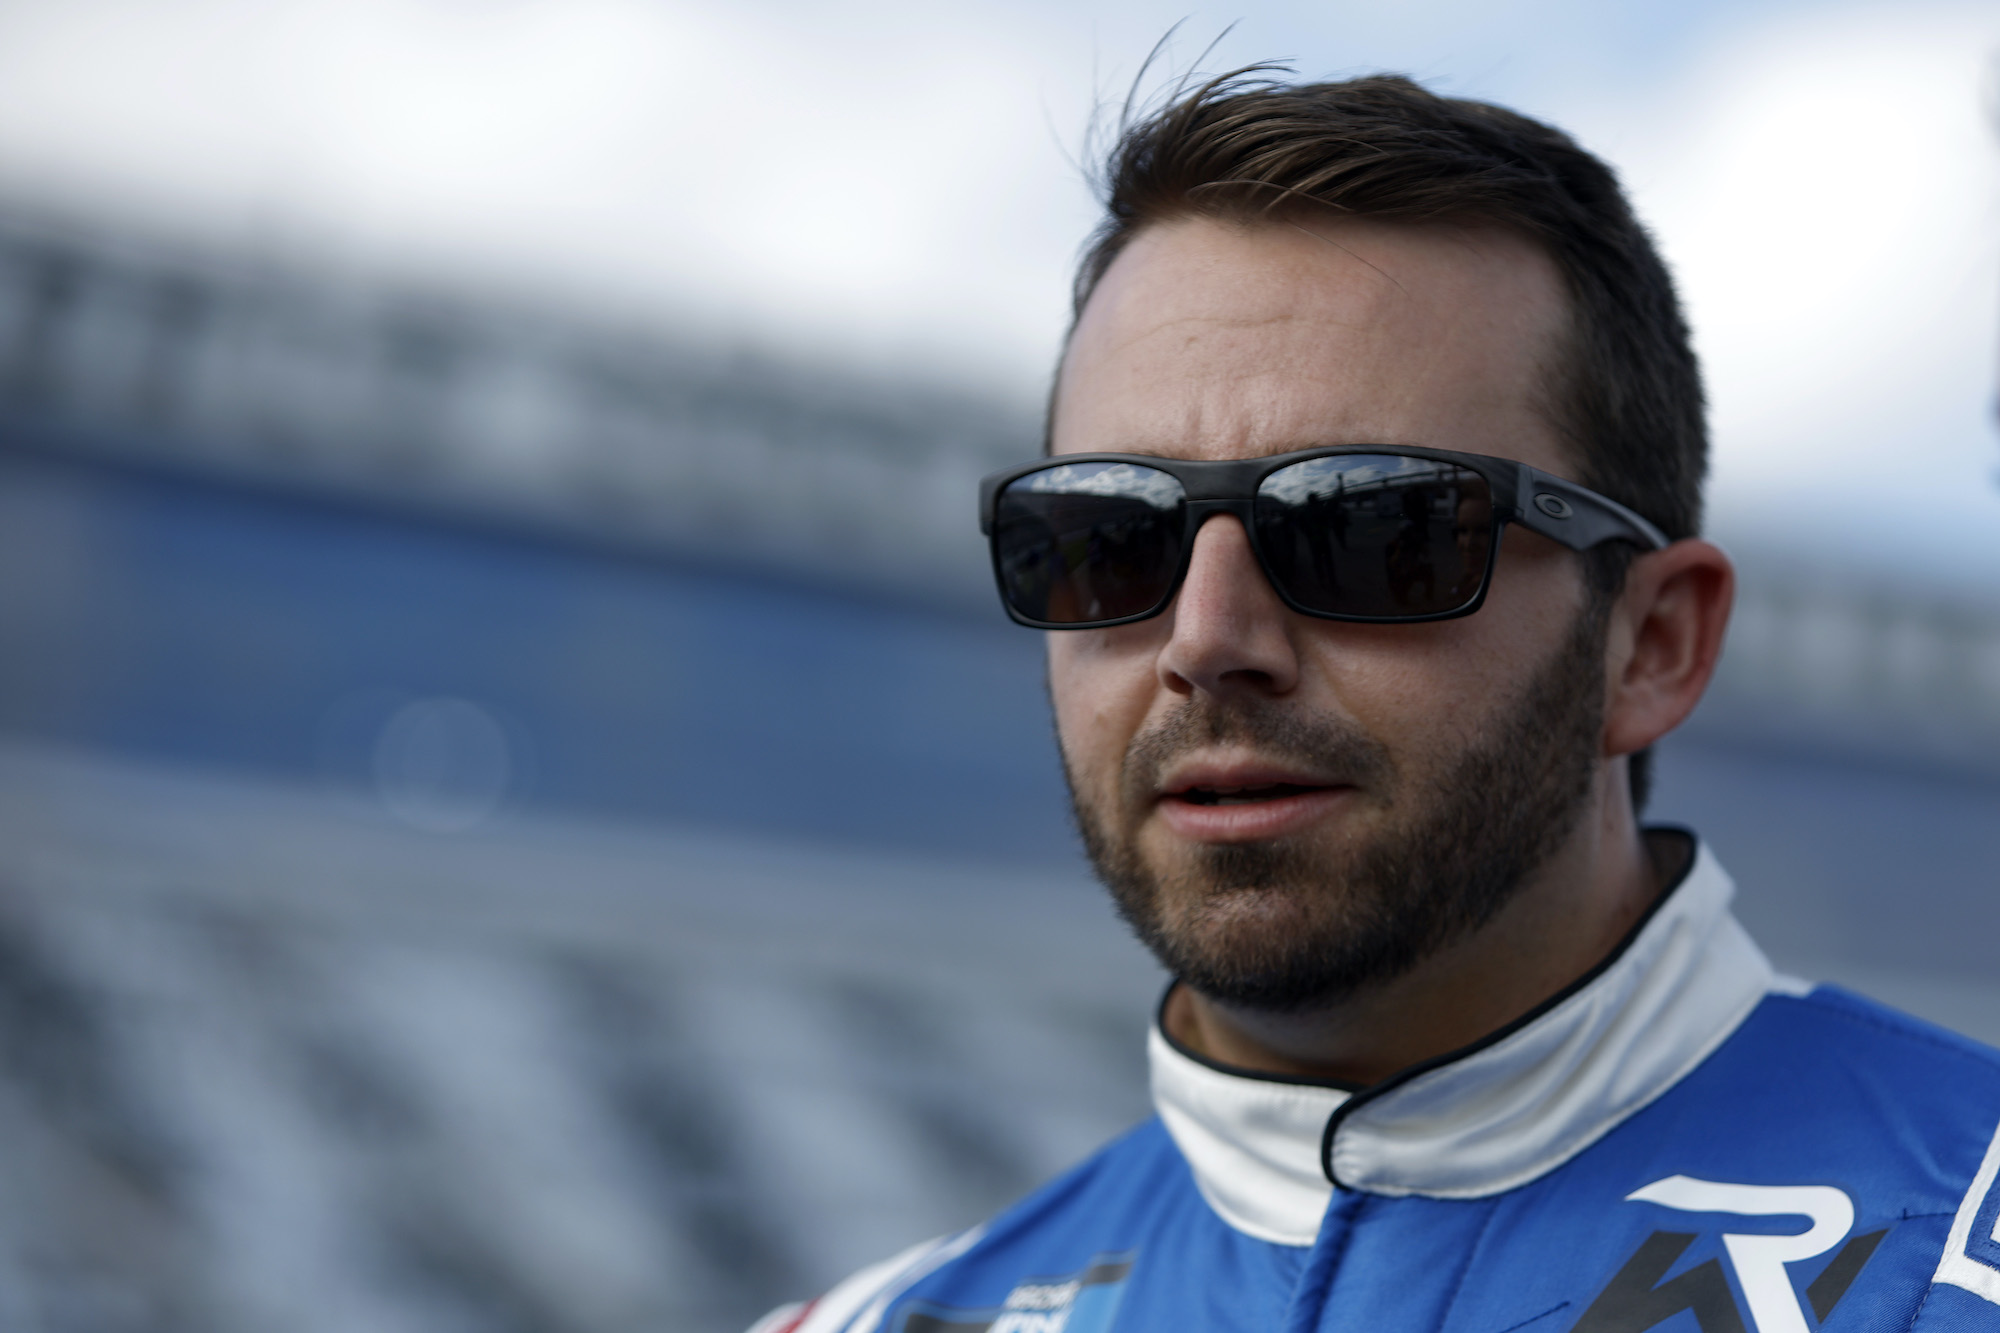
[(1301, 923)]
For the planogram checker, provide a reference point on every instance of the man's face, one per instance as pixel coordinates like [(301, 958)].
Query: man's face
[(1290, 808)]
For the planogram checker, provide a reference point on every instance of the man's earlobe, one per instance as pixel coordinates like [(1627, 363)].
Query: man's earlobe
[(1666, 638)]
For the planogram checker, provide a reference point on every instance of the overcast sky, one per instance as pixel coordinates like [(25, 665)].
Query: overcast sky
[(895, 183)]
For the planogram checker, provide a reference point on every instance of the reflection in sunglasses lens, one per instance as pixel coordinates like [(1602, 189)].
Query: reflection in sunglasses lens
[(1084, 542), (1376, 534)]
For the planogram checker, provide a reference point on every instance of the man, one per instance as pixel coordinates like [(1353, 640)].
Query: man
[(1367, 551)]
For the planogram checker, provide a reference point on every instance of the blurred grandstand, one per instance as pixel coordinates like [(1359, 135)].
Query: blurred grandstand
[(507, 823)]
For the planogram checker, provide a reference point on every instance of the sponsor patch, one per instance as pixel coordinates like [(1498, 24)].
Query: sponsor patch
[(1081, 1302), (1971, 1258), (1641, 1295)]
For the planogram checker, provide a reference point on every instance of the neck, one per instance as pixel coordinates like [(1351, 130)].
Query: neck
[(1568, 916)]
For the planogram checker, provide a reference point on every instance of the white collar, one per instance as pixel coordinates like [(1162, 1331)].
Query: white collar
[(1494, 1115)]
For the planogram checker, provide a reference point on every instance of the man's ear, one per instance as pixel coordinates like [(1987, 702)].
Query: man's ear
[(1664, 639)]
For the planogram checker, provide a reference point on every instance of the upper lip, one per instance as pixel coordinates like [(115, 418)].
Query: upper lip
[(1214, 774)]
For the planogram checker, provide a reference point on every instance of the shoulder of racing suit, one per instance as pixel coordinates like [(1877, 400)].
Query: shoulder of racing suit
[(1681, 1139)]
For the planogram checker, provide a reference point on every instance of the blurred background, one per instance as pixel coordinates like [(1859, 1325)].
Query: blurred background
[(518, 810)]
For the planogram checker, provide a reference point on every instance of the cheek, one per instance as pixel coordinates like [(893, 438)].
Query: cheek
[(1101, 688), (1429, 690), (1406, 686)]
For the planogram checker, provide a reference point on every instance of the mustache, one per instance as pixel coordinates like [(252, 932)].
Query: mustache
[(1321, 742)]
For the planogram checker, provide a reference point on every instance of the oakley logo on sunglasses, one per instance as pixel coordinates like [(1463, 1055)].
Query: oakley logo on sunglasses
[(1350, 532)]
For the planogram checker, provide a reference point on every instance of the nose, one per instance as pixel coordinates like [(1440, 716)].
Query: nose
[(1231, 633)]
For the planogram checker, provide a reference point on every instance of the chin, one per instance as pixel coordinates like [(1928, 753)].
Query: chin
[(1256, 918), (1277, 927), (1263, 936)]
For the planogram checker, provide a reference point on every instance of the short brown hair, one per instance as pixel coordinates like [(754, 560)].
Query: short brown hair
[(1626, 390)]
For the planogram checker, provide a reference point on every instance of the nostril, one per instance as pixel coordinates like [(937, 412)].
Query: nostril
[(1191, 679)]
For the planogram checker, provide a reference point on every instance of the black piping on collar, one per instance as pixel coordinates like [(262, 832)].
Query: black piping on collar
[(1422, 1067)]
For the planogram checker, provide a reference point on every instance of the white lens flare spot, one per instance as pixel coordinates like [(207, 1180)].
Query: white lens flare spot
[(442, 765)]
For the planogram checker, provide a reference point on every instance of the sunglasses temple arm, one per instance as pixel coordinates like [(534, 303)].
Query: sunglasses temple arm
[(989, 491), (1576, 516)]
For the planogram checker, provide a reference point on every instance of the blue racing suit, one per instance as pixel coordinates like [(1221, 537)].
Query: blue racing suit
[(1682, 1140)]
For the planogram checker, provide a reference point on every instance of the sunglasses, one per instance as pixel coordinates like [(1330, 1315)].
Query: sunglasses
[(1365, 532)]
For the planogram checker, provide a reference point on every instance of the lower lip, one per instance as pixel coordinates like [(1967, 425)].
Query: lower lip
[(1251, 821)]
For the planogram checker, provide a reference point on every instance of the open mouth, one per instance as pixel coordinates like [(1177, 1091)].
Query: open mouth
[(1274, 791)]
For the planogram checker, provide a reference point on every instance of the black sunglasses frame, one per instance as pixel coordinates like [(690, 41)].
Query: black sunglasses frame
[(1564, 512)]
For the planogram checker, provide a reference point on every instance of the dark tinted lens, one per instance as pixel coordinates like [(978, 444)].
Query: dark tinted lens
[(1376, 534), (1083, 542)]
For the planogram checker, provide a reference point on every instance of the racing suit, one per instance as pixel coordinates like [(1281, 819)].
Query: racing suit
[(1680, 1140)]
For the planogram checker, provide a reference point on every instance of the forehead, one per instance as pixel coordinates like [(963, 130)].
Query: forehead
[(1210, 339)]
